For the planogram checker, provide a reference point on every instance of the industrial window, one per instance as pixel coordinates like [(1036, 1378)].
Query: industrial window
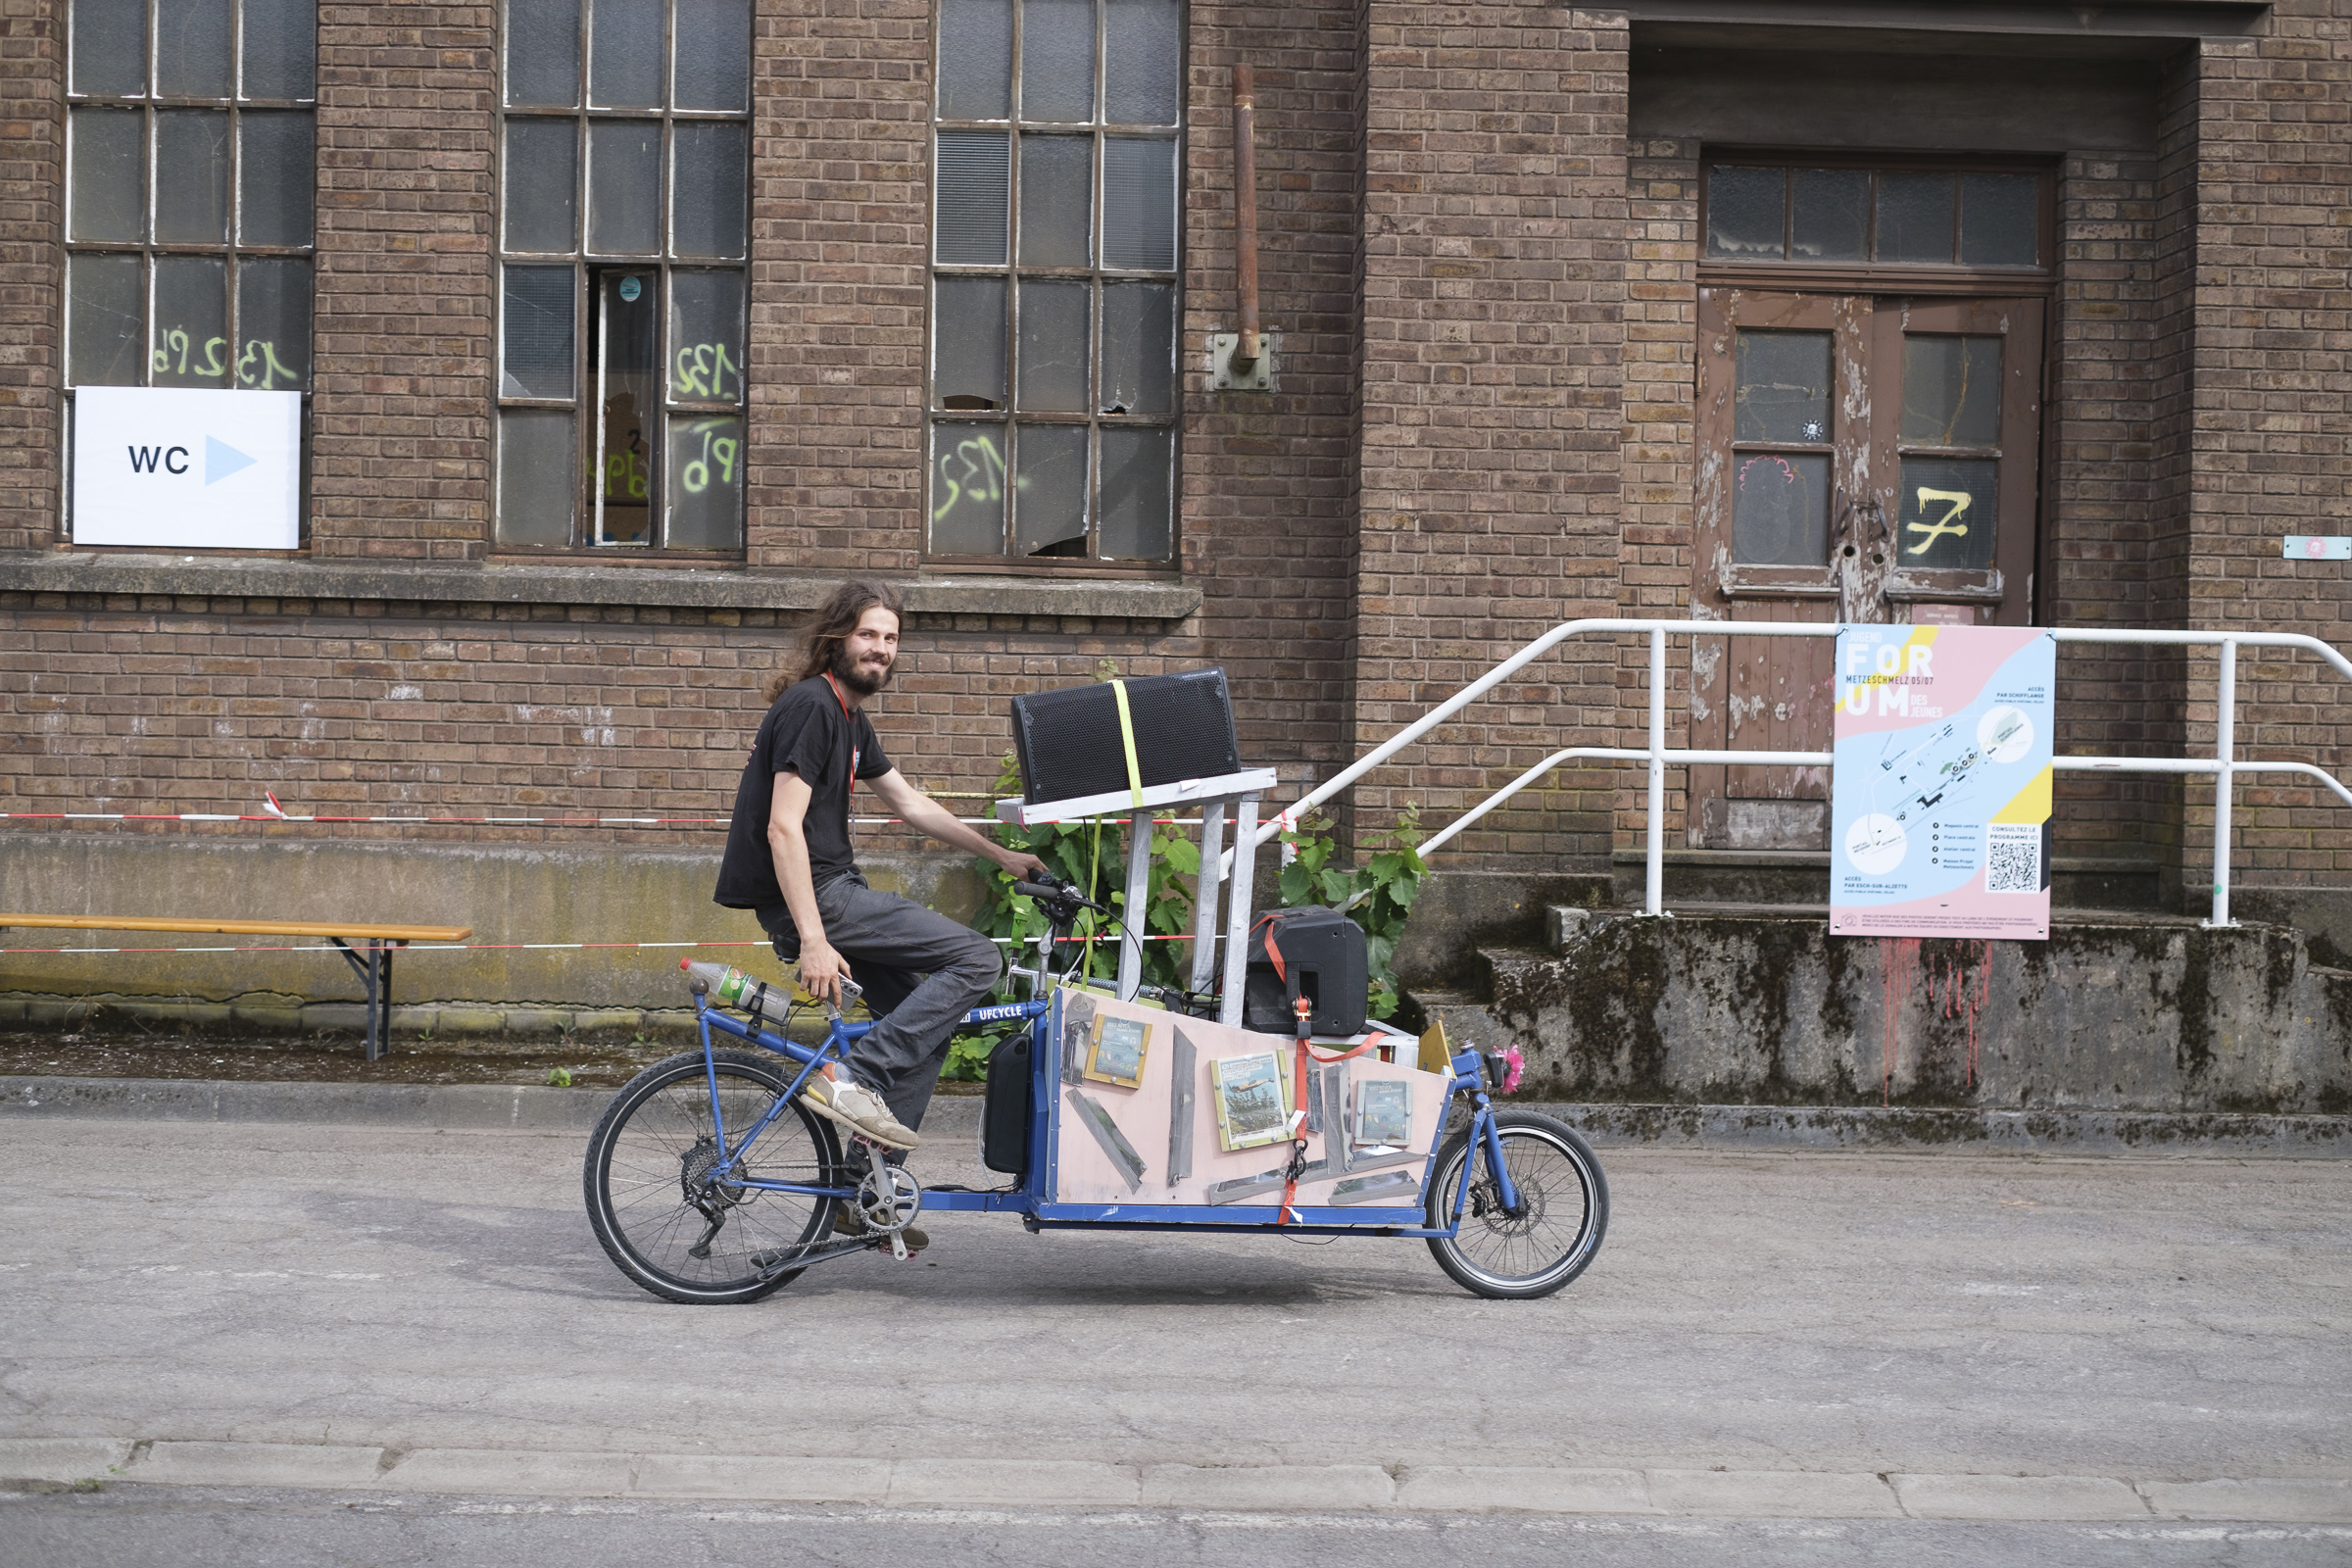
[(1817, 213), (624, 211), (189, 192), (1053, 290)]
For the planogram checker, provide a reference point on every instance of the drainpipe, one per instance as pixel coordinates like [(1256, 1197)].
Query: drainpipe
[(1245, 213)]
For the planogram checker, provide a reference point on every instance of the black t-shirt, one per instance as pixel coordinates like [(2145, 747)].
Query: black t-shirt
[(806, 733)]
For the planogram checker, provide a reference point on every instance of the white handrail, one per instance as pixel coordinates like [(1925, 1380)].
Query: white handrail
[(1658, 755)]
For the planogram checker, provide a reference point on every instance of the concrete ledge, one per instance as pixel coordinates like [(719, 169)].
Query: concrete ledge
[(1052, 1483), (44, 571)]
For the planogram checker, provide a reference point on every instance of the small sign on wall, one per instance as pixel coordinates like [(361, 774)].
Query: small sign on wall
[(2319, 546), (187, 470)]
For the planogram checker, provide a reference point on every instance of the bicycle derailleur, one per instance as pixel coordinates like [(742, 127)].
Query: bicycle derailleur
[(697, 1171)]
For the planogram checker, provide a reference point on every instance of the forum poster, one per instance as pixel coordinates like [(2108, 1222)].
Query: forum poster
[(1939, 807)]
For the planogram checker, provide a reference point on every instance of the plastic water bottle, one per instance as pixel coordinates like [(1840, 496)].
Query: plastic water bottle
[(729, 986)]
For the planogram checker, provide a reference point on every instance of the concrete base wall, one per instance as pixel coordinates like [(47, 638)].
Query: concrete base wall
[(2109, 1014)]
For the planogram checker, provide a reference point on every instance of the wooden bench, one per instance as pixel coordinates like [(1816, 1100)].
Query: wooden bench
[(368, 949)]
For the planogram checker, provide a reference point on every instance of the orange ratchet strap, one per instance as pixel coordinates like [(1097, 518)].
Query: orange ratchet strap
[(1303, 1009)]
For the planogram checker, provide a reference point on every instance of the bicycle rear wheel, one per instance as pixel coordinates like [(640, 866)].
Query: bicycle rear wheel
[(653, 1201), (1563, 1209)]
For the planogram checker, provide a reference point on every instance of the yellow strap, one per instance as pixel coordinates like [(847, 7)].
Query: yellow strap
[(1135, 774)]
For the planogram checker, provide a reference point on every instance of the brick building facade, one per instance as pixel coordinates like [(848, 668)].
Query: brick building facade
[(1490, 254)]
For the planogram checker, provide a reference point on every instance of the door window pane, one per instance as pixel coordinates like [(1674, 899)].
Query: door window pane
[(705, 482), (273, 320), (1831, 217), (537, 476), (1139, 348), (542, 183), (188, 345), (1951, 391), (191, 176), (1782, 390), (1058, 208), (624, 54), (1057, 60), (1947, 507), (1999, 217), (543, 52), (1915, 218), (275, 173), (110, 47), (281, 49), (975, 59), (1049, 493), (1136, 493), (191, 48), (974, 189), (967, 343), (537, 358), (1745, 213), (708, 203), (1780, 509), (968, 489), (624, 184), (102, 320), (1142, 67), (705, 334), (105, 185), (1138, 205), (713, 64), (631, 403), (1053, 347)]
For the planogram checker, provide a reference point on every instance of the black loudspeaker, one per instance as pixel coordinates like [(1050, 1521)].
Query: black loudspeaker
[(1069, 743), (1005, 1113), (1322, 960)]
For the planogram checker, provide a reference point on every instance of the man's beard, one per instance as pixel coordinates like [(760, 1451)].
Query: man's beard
[(846, 671)]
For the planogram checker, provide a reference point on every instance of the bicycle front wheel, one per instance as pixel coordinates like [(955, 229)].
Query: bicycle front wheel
[(670, 1218), (1563, 1215)]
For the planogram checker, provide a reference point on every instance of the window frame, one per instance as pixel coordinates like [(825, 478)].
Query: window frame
[(1099, 130), (1884, 277), (232, 250), (587, 267)]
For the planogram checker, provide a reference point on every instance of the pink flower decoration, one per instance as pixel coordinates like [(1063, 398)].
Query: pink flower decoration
[(1515, 1062)]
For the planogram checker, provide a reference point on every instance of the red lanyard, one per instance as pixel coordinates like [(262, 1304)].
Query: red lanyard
[(850, 721)]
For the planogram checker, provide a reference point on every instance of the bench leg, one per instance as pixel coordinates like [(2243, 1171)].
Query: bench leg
[(373, 964)]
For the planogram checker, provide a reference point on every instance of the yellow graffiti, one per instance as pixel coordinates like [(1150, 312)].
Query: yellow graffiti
[(1958, 501), (624, 477), (267, 378), (701, 371), (983, 477), (694, 475), (177, 338)]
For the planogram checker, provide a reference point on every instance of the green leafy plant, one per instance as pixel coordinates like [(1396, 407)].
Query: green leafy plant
[(1377, 894), (558, 1077)]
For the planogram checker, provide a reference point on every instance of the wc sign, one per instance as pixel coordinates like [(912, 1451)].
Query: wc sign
[(187, 470)]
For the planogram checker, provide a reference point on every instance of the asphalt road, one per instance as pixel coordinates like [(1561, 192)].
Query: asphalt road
[(1886, 1334)]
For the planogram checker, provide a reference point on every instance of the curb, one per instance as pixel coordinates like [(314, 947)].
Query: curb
[(1241, 1489), (529, 1107)]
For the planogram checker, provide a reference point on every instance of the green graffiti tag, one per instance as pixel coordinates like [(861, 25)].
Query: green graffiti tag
[(695, 474), (624, 477), (177, 338), (701, 371), (982, 478), (267, 378)]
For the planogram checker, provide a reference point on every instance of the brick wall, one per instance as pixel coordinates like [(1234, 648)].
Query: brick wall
[(32, 220), (400, 407)]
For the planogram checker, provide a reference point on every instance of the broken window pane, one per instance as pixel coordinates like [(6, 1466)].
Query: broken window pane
[(1135, 503), (1053, 347), (191, 48), (1139, 348), (191, 176), (709, 206), (1049, 492), (275, 175), (1057, 189), (968, 489), (624, 184), (1780, 509), (1057, 60), (1143, 67), (537, 476), (102, 320), (538, 328), (104, 187), (974, 183), (967, 343), (624, 54), (282, 50), (975, 59), (543, 53), (274, 324), (188, 343), (1745, 213), (542, 185), (1139, 204), (713, 68)]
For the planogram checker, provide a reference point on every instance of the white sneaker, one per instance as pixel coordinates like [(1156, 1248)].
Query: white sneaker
[(855, 1105)]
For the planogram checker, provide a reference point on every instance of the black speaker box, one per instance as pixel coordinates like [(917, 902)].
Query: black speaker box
[(1069, 746), (1322, 960), (1005, 1113)]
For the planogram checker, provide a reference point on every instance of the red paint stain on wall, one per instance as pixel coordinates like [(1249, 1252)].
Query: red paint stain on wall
[(1957, 984)]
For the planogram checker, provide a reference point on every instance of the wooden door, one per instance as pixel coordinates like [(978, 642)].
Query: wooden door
[(1861, 459)]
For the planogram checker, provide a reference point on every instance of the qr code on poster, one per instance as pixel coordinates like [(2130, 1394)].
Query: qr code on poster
[(2013, 857)]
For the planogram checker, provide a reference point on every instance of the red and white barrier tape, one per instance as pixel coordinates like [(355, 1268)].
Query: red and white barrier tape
[(536, 947)]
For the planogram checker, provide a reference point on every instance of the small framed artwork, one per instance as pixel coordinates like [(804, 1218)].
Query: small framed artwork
[(1384, 1113), (1118, 1054), (1253, 1104)]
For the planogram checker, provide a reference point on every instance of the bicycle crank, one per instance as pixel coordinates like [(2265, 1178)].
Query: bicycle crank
[(887, 1199)]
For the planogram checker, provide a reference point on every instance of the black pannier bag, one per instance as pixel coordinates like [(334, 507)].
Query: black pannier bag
[(1069, 744), (1005, 1113), (1322, 954)]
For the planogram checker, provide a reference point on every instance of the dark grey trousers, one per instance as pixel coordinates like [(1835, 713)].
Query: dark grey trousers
[(921, 971)]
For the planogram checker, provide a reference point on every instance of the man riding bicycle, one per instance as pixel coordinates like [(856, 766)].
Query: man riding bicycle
[(789, 862)]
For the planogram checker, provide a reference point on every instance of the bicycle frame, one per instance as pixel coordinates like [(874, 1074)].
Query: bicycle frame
[(1030, 1197)]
